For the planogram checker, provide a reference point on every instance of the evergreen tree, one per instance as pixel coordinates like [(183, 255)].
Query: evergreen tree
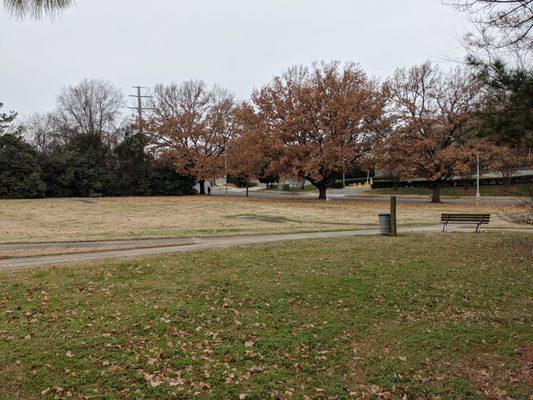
[(132, 164), (507, 115), (20, 174)]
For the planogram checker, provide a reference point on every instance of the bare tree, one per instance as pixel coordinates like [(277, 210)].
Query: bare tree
[(191, 124), (44, 133), (500, 24), (35, 8), (92, 106)]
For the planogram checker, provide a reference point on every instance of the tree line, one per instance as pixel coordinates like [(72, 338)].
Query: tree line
[(310, 123), (314, 123), (81, 150)]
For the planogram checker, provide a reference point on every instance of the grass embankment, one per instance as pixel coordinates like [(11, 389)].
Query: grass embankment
[(490, 190), (76, 219), (444, 315)]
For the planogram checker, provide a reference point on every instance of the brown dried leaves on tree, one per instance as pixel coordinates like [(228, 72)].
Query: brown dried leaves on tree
[(248, 147), (190, 124), (434, 116), (318, 120)]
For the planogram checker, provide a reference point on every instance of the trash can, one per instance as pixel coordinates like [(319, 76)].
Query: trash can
[(384, 224)]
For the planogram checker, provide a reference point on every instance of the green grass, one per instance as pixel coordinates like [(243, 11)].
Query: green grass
[(306, 188), (490, 190), (444, 315), (296, 189)]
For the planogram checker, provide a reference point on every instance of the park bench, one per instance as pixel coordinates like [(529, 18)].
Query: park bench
[(478, 219)]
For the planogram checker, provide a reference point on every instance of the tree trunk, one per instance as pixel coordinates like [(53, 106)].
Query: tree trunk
[(202, 186), (435, 196), (322, 193), (246, 187), (466, 185), (395, 185), (507, 184)]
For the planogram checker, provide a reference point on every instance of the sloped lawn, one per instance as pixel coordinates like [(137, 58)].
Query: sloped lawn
[(444, 315)]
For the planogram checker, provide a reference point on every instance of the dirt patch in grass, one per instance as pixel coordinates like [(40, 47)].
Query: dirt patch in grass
[(526, 360), (260, 218)]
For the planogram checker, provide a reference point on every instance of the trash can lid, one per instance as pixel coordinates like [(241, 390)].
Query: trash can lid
[(384, 215)]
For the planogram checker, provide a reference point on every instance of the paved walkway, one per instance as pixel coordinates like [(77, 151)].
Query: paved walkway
[(167, 246), (179, 245), (134, 243)]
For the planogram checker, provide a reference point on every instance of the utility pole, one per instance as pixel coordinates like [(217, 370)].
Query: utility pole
[(344, 174), (139, 106), (393, 215), (477, 178), (226, 170)]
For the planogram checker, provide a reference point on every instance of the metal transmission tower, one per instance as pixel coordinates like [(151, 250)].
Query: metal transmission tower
[(139, 106)]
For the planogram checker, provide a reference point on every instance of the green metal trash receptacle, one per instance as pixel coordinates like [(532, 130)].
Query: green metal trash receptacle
[(384, 224)]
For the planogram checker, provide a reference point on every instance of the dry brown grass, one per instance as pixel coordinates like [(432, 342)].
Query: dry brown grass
[(76, 219)]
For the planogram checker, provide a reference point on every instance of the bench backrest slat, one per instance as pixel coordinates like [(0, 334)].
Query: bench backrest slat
[(466, 218)]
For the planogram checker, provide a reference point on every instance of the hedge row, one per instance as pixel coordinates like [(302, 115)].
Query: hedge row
[(426, 183)]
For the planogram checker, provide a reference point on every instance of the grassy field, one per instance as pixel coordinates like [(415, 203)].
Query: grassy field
[(76, 219), (444, 316), (490, 190)]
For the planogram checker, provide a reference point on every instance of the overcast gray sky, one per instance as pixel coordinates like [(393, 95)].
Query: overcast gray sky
[(239, 44)]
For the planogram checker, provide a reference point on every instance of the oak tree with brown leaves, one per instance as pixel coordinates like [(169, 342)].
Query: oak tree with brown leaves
[(247, 149), (386, 160), (190, 125), (434, 116), (506, 161), (318, 120)]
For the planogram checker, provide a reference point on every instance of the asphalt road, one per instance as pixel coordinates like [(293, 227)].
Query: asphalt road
[(351, 195)]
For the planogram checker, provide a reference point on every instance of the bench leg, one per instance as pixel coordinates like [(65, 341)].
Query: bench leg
[(444, 226), (477, 228)]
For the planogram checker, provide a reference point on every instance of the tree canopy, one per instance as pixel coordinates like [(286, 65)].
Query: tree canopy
[(318, 120)]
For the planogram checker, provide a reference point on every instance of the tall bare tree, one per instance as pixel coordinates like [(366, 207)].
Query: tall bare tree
[(190, 124), (92, 106), (36, 8), (500, 24), (43, 131)]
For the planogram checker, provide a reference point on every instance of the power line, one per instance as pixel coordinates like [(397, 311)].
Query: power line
[(139, 107)]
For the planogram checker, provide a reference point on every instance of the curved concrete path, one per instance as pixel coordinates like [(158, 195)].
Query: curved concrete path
[(180, 245), (134, 243), (206, 243)]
